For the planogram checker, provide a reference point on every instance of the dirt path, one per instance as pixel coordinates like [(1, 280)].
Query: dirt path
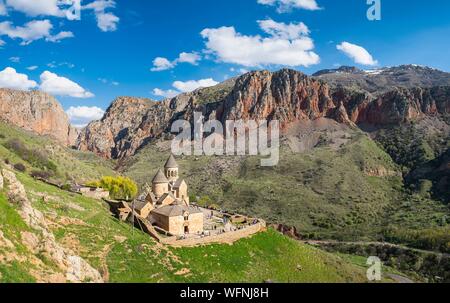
[(400, 279), (103, 260)]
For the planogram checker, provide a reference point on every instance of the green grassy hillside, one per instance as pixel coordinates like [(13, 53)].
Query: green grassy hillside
[(123, 254), (353, 193), (68, 164)]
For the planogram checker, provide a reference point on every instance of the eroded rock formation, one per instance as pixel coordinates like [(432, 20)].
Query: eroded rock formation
[(287, 95), (37, 112)]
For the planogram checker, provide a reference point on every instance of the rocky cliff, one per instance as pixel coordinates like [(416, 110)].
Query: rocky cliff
[(287, 95), (37, 112)]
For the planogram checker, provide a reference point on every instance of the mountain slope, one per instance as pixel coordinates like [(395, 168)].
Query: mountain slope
[(37, 112), (382, 80), (37, 153), (86, 228), (287, 95)]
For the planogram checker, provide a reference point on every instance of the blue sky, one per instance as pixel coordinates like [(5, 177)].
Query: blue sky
[(110, 52)]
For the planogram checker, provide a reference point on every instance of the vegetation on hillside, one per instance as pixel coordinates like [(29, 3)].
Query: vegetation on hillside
[(124, 254), (353, 193), (120, 188), (46, 158)]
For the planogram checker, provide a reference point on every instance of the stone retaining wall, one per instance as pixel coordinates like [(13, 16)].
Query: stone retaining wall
[(225, 238)]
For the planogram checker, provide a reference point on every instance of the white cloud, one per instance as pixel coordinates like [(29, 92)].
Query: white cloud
[(287, 44), (359, 54), (33, 67), (35, 8), (71, 10), (61, 86), (31, 31), (9, 78), (2, 43), (3, 10), (106, 21), (80, 116), (284, 31), (14, 59), (287, 5), (184, 87), (192, 85), (170, 93), (161, 63), (191, 58), (100, 5), (60, 36)]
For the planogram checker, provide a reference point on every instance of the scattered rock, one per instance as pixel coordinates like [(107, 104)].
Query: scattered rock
[(120, 239), (76, 269), (183, 272), (5, 243), (31, 241)]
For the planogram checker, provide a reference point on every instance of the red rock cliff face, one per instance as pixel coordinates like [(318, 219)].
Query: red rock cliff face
[(37, 112), (288, 96)]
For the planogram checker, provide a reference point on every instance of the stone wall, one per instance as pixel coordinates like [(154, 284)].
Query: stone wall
[(177, 224), (225, 238)]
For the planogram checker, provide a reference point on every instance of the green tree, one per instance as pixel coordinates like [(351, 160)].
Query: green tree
[(121, 188)]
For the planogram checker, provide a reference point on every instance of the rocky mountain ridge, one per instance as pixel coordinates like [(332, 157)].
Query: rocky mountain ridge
[(287, 95), (381, 80), (37, 112)]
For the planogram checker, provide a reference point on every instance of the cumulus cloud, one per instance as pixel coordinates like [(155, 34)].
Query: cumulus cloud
[(192, 85), (3, 11), (191, 58), (61, 86), (31, 31), (184, 87), (286, 44), (284, 31), (106, 21), (71, 10), (170, 93), (287, 5), (9, 78), (80, 116), (358, 53), (37, 8), (60, 36), (161, 63)]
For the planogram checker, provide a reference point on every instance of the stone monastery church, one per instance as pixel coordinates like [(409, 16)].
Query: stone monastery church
[(166, 203)]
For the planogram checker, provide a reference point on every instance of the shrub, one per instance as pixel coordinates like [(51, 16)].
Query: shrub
[(20, 167), (35, 157), (205, 201), (120, 188), (39, 174), (66, 187)]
